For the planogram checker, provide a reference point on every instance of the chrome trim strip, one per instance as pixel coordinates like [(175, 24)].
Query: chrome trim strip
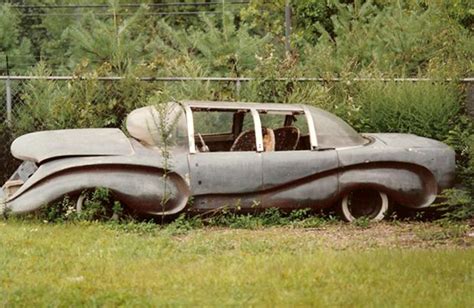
[(350, 147), (313, 139), (258, 129), (190, 123)]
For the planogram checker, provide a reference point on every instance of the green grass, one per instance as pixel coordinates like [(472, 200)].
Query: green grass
[(100, 264)]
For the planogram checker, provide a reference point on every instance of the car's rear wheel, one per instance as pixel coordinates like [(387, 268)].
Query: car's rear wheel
[(364, 203)]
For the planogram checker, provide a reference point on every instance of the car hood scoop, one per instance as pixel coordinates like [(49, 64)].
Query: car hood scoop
[(44, 145)]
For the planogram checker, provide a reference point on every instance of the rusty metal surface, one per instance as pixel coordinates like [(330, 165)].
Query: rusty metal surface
[(411, 170)]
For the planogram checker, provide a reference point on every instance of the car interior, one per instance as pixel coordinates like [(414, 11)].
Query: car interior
[(223, 130)]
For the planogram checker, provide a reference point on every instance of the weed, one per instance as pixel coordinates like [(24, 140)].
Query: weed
[(131, 226), (88, 206), (183, 224), (447, 231), (362, 222)]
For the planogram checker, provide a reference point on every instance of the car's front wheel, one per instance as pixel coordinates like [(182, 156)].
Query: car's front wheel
[(364, 203)]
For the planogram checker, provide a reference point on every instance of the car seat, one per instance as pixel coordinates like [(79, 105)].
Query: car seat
[(286, 138), (246, 141)]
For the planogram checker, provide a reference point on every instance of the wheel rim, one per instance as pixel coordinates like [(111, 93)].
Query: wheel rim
[(365, 203)]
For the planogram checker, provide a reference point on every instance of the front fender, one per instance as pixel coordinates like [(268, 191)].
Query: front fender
[(144, 189), (407, 184)]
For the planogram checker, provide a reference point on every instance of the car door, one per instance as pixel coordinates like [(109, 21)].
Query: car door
[(305, 176), (226, 172), (300, 179)]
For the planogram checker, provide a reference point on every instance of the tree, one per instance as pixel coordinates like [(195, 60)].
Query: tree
[(18, 49)]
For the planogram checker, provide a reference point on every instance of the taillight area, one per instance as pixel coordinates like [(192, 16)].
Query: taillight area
[(18, 178)]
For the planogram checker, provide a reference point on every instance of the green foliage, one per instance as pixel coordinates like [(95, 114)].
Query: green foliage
[(449, 230), (133, 226), (313, 15), (7, 164), (363, 222), (392, 40), (77, 103), (97, 205), (227, 50), (264, 17), (12, 44), (462, 11), (271, 217), (406, 108), (459, 204), (117, 41), (183, 224)]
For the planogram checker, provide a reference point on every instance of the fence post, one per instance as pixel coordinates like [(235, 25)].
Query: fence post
[(8, 94), (8, 100), (287, 25), (237, 89)]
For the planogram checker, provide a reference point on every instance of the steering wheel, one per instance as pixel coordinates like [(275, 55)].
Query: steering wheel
[(204, 147)]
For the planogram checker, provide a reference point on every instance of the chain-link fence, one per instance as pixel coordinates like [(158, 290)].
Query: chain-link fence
[(31, 103)]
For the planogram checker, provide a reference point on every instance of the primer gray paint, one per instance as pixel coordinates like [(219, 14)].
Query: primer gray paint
[(411, 170)]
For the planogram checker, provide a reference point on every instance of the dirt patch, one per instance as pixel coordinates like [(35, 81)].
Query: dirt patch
[(404, 235), (342, 236)]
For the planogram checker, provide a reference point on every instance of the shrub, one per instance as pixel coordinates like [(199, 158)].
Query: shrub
[(98, 205), (422, 108)]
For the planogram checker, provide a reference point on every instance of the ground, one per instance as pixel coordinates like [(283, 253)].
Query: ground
[(390, 263)]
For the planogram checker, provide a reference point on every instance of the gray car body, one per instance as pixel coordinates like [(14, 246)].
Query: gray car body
[(411, 170)]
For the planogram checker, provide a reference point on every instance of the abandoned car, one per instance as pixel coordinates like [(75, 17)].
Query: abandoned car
[(202, 156)]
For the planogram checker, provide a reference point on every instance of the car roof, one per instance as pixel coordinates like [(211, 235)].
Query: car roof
[(241, 105)]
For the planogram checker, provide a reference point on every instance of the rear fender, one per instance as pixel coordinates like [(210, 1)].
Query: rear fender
[(143, 189)]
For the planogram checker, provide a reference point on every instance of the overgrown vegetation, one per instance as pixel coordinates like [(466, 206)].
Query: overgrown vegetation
[(99, 205), (333, 38)]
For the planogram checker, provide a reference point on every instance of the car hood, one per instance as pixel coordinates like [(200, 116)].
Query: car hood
[(44, 145), (408, 141)]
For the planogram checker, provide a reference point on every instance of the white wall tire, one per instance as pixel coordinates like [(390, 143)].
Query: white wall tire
[(370, 204)]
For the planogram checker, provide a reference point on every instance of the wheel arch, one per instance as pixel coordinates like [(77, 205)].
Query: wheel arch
[(142, 188), (406, 184)]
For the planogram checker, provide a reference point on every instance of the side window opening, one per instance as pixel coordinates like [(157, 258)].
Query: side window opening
[(289, 128), (221, 130), (299, 121)]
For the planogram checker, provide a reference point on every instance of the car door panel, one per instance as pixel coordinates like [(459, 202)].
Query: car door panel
[(225, 172), (300, 176)]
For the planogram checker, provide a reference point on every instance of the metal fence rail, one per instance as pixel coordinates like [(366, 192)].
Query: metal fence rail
[(241, 79)]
